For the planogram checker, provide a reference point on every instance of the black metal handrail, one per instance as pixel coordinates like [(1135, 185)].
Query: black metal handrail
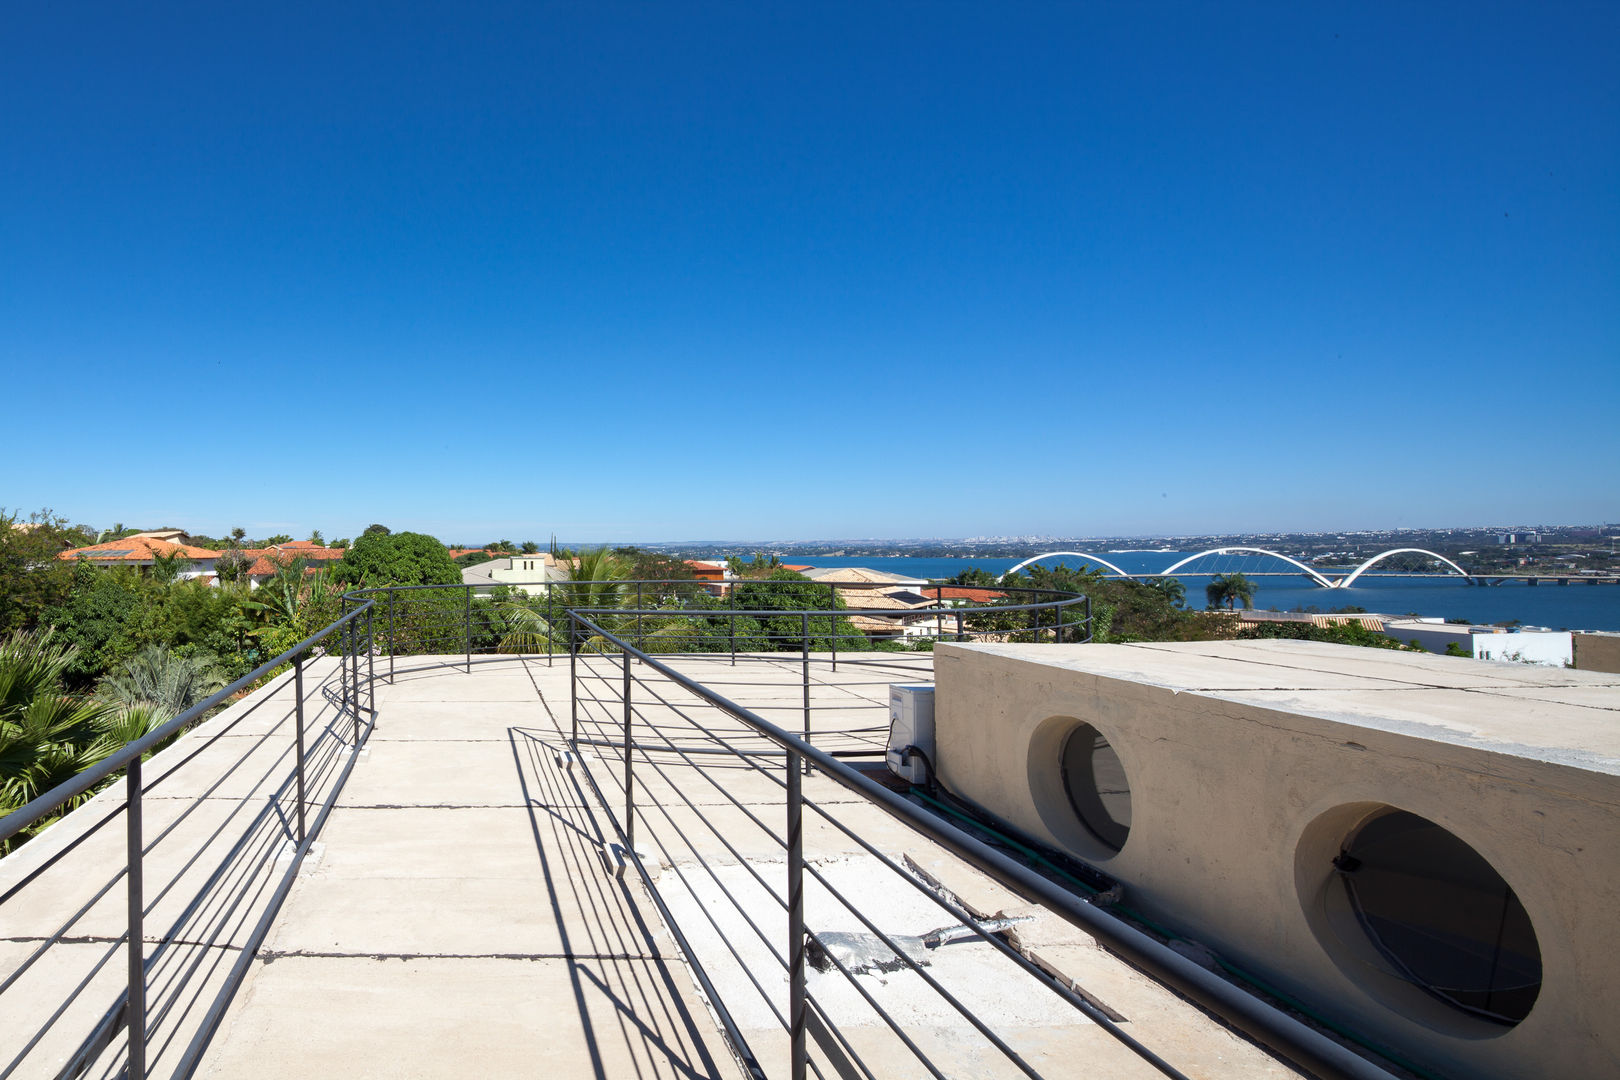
[(1283, 1034), (131, 1013), (456, 624)]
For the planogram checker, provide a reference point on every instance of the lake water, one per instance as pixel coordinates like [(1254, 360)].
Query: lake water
[(1563, 607)]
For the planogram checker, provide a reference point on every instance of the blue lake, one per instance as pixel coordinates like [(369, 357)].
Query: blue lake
[(1569, 607)]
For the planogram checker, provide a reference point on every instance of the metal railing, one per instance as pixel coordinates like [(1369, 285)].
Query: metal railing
[(738, 923), (669, 617), (241, 882)]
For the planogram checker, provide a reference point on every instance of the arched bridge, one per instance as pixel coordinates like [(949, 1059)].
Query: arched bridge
[(1308, 571), (1363, 568), (1074, 554)]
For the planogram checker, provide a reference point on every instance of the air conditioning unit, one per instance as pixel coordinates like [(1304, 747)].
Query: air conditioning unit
[(910, 753)]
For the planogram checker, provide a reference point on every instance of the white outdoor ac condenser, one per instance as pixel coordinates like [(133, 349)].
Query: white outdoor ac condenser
[(911, 729)]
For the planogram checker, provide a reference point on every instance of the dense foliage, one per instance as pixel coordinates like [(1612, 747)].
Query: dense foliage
[(402, 558)]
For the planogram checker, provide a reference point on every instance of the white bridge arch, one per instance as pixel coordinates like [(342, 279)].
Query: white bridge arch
[(1054, 554), (1318, 578), (1364, 567)]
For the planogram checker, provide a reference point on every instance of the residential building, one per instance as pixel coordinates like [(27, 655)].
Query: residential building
[(525, 573), (1525, 645), (143, 550)]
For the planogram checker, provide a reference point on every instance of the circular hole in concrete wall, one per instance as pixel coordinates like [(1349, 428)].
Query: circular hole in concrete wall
[(1439, 917), (1095, 782)]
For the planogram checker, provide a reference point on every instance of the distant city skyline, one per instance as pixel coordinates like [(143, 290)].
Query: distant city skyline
[(641, 273)]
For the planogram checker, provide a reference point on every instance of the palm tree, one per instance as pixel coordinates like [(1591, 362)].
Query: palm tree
[(165, 683), (1172, 588), (1229, 590), (47, 735), (596, 580), (762, 566), (168, 568)]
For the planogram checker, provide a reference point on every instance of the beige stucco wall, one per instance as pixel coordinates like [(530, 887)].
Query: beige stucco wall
[(1248, 768), (1597, 652)]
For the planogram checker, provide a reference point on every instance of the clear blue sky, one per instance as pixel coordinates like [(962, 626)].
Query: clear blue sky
[(669, 271)]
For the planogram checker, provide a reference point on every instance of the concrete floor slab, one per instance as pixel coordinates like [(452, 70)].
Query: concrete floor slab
[(182, 983), (385, 1019), (222, 850), (472, 882), (460, 773), (458, 687), (484, 721)]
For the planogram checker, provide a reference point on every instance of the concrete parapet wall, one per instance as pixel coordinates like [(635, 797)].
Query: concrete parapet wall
[(1249, 763), (1597, 652)]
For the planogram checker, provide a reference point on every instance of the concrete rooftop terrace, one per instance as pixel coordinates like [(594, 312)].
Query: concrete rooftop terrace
[(460, 913)]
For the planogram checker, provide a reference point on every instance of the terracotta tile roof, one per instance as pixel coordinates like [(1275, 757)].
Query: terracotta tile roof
[(962, 592), (270, 560), (136, 549)]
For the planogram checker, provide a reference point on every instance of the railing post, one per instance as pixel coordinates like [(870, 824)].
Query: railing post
[(639, 643), (467, 629), (795, 906), (573, 682), (732, 603), (298, 739), (551, 631), (354, 681), (371, 663), (804, 630), (832, 606), (391, 636), (958, 626), (136, 994), (629, 772)]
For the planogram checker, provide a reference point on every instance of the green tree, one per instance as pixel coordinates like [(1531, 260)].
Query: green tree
[(32, 578), (376, 530), (653, 565), (96, 620), (279, 538), (762, 566), (316, 539), (402, 558), (238, 536), (976, 577), (1229, 590), (760, 629), (232, 565), (530, 548)]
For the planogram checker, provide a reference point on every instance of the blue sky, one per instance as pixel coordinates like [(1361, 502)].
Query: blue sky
[(638, 272)]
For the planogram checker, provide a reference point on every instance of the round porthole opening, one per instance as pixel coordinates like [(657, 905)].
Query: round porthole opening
[(1095, 782), (1440, 917)]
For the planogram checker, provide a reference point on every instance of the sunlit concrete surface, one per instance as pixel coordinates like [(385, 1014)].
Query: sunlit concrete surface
[(217, 817), (461, 914)]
